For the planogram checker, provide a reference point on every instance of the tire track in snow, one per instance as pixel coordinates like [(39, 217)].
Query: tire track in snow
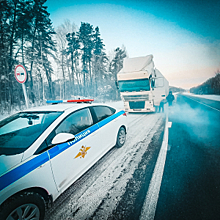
[(121, 168), (116, 193), (130, 206)]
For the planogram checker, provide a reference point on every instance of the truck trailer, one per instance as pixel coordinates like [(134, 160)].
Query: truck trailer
[(143, 88)]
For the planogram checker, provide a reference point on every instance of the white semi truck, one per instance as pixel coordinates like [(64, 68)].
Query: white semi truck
[(143, 88)]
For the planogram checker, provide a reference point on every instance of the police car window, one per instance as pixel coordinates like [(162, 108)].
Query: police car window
[(103, 112), (19, 131), (76, 122)]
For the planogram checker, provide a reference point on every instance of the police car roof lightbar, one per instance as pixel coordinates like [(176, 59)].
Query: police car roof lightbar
[(67, 101)]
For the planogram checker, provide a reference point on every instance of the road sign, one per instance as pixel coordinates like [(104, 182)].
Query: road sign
[(21, 77), (20, 74)]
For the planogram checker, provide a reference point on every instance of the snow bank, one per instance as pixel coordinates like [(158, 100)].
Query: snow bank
[(210, 97), (117, 105)]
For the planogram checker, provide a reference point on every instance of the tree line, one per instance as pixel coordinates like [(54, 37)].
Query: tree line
[(65, 63), (211, 86), (176, 89)]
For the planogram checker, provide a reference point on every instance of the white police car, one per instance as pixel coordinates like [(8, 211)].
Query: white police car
[(44, 150)]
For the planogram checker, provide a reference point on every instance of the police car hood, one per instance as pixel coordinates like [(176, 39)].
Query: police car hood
[(8, 162)]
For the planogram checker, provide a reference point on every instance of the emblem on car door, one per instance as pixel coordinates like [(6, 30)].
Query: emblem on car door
[(83, 151)]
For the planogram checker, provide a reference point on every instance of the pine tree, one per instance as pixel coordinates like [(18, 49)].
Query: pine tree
[(24, 27), (116, 65), (99, 61), (4, 48), (14, 29), (86, 39), (73, 51), (215, 83), (13, 10), (42, 44)]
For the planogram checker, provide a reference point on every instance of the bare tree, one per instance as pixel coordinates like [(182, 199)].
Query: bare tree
[(62, 56)]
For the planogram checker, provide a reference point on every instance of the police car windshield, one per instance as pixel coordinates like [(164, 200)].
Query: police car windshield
[(19, 131)]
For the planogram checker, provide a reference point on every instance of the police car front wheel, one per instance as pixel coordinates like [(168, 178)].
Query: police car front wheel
[(28, 205), (121, 137)]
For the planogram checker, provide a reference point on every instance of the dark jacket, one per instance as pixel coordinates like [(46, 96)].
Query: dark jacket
[(170, 98)]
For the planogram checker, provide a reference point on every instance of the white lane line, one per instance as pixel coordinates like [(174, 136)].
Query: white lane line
[(169, 124), (203, 104), (150, 203)]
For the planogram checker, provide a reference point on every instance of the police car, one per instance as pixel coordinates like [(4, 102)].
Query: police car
[(44, 150)]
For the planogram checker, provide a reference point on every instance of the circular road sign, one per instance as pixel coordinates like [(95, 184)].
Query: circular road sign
[(20, 74)]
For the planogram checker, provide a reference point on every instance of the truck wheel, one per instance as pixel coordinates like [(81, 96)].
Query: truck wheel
[(121, 137), (28, 205)]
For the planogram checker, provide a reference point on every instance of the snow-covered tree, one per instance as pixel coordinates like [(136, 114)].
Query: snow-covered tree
[(99, 62), (115, 66), (42, 44), (73, 53), (62, 57), (86, 34)]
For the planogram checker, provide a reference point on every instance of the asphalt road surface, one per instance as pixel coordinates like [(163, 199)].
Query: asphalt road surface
[(190, 186)]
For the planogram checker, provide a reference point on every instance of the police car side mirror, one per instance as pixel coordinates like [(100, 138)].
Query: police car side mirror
[(62, 138)]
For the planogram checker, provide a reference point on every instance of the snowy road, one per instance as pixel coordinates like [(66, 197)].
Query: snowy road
[(115, 187)]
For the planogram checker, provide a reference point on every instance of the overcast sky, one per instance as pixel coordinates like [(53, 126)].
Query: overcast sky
[(183, 36)]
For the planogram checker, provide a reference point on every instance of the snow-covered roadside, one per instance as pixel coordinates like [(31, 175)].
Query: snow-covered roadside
[(116, 104), (5, 115), (210, 97)]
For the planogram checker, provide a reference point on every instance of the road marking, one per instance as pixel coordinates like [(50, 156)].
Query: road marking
[(203, 104), (150, 203), (169, 124)]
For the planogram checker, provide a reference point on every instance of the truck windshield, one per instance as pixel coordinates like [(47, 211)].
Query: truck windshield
[(19, 131), (134, 85)]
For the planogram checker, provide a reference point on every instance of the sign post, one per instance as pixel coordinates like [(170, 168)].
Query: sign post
[(21, 77)]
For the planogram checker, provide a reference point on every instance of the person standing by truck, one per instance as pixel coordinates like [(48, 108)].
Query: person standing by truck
[(161, 106), (170, 98)]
